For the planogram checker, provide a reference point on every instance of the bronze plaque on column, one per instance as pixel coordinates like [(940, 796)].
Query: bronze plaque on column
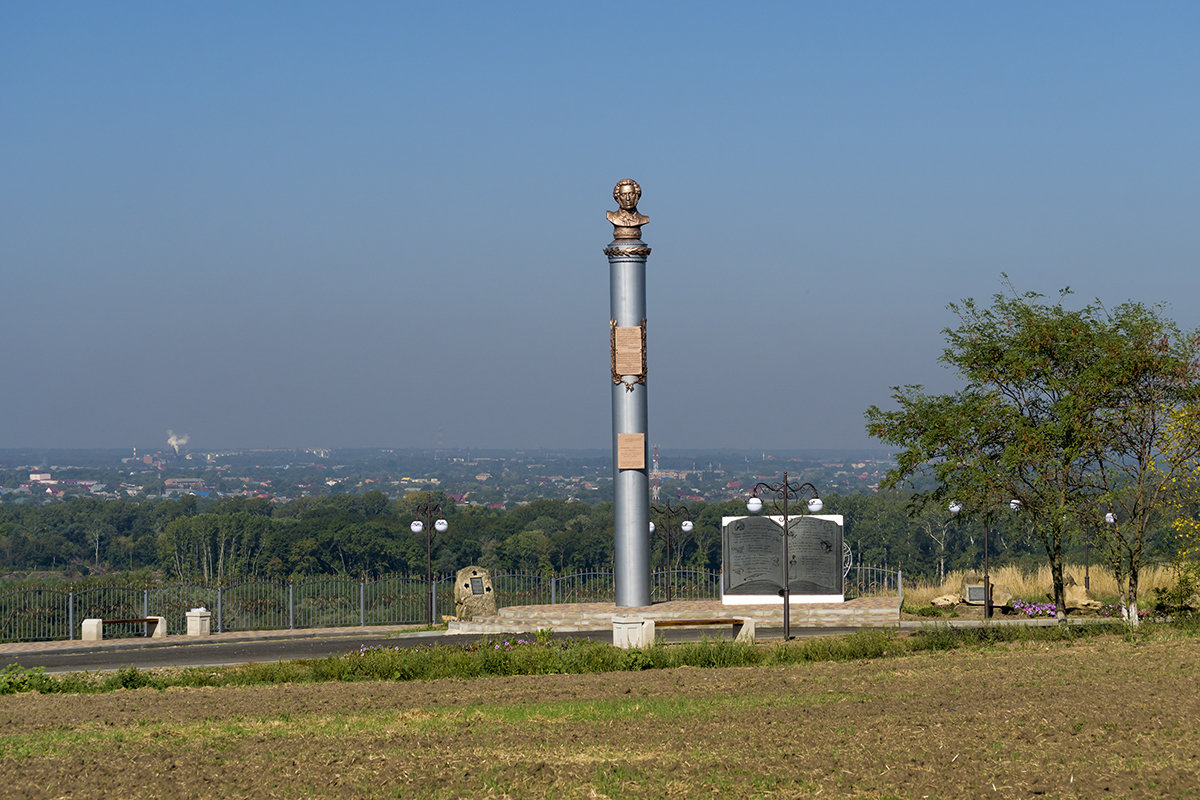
[(631, 451), (629, 357)]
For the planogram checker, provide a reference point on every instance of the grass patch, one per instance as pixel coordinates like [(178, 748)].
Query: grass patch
[(546, 656)]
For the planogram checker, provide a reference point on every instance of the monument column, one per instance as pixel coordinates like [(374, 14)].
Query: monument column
[(627, 343)]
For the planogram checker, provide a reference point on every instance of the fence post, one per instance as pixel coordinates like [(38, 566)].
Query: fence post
[(553, 591), (433, 599), (220, 609), (291, 607), (71, 614), (145, 602), (900, 584), (362, 601)]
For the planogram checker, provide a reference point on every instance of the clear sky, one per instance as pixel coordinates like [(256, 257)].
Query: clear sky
[(381, 224)]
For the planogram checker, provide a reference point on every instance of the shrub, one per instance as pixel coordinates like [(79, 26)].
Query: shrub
[(15, 678)]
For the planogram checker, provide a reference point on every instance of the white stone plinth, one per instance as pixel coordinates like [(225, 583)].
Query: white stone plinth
[(93, 630), (158, 627), (199, 623), (633, 632)]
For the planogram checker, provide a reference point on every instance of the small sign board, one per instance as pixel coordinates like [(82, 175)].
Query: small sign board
[(631, 451), (975, 594), (476, 585)]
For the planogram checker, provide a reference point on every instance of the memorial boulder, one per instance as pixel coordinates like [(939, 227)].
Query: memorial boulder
[(474, 596), (972, 589), (1076, 597)]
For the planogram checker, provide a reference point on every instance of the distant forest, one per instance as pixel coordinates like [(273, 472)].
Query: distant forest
[(232, 539)]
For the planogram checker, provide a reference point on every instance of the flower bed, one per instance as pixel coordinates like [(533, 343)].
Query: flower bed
[(1033, 609)]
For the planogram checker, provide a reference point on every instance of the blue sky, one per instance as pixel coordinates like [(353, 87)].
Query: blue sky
[(381, 224)]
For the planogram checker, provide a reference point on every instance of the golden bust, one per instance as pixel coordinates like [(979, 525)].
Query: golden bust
[(627, 222)]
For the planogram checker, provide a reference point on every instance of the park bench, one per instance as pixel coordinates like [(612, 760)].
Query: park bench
[(93, 629), (639, 631)]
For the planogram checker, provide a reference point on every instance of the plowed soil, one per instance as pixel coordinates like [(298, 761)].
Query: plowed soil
[(1101, 717)]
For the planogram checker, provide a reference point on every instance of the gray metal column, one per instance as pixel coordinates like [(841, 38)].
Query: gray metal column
[(631, 478)]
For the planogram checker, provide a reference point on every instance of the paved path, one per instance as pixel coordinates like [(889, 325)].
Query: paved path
[(238, 647)]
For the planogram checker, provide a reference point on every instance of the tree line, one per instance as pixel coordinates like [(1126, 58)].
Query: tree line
[(231, 539)]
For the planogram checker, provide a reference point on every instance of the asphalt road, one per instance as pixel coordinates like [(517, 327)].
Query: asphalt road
[(207, 654)]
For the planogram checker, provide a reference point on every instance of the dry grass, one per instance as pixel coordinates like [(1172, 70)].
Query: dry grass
[(1036, 585)]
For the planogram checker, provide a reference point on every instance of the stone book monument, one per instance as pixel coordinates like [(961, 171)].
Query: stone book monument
[(752, 559)]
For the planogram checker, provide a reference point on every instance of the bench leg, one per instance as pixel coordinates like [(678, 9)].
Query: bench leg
[(745, 631), (158, 628)]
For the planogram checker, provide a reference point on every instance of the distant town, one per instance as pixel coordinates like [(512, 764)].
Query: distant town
[(496, 479)]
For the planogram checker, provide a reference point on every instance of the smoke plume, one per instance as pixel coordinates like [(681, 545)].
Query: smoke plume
[(176, 441)]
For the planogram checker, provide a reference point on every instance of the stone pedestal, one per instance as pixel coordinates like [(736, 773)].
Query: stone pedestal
[(158, 627), (92, 631), (199, 623), (633, 633)]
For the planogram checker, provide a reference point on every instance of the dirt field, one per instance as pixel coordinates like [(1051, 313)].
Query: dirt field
[(1099, 718)]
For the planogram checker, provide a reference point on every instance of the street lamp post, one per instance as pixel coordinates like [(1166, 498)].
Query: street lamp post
[(956, 507), (1111, 519), (668, 513), (429, 520), (784, 492)]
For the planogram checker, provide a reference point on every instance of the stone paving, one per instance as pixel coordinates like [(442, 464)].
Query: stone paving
[(564, 617), (859, 612), (76, 645)]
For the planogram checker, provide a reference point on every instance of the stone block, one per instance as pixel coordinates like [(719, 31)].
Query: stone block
[(199, 622), (746, 634), (969, 579), (1076, 598), (157, 628), (93, 630), (633, 633)]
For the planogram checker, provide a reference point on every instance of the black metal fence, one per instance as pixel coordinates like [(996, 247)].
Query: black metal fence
[(41, 613)]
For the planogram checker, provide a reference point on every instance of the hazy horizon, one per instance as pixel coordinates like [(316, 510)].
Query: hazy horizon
[(278, 225)]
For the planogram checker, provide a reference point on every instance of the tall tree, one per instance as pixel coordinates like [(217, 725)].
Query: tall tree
[(1023, 427), (1149, 438)]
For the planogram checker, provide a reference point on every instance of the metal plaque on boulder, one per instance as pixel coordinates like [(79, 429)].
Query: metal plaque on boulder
[(752, 558)]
